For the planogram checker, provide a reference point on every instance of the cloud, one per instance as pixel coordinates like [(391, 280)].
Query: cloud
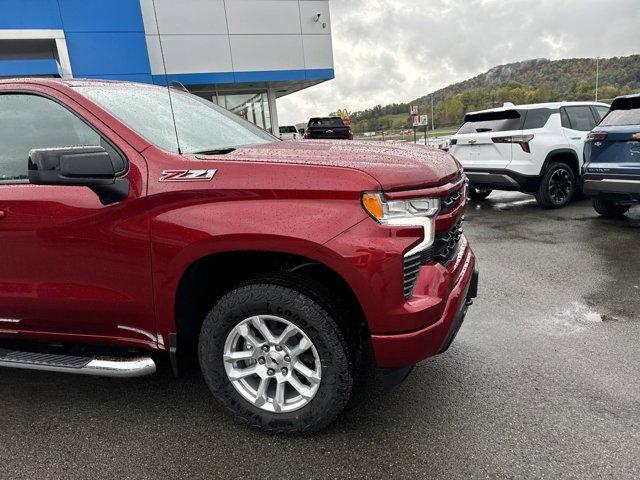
[(389, 51)]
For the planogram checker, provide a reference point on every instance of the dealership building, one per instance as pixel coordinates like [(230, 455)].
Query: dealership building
[(242, 54)]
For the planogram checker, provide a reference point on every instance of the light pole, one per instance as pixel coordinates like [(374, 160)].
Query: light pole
[(433, 127), (597, 75)]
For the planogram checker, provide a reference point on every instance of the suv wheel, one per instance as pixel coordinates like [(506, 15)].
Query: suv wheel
[(557, 187), (478, 193), (607, 208), (276, 358)]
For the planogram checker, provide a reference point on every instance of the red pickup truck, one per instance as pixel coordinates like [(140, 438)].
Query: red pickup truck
[(134, 222)]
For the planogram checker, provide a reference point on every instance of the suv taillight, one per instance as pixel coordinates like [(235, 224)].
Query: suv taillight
[(596, 137), (522, 140)]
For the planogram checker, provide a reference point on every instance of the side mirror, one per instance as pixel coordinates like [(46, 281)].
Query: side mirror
[(78, 166)]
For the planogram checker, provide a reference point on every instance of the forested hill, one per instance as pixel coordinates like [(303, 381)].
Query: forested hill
[(538, 80)]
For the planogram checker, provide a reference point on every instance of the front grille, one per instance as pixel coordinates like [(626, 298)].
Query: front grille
[(412, 266), (444, 246), (443, 249), (450, 200)]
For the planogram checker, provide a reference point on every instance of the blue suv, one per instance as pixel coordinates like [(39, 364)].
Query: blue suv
[(611, 172)]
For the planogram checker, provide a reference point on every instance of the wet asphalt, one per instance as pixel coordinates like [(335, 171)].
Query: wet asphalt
[(543, 381)]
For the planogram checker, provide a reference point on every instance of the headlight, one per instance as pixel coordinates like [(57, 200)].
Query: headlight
[(394, 212), (418, 212)]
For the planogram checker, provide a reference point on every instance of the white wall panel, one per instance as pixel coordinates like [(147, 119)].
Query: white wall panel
[(148, 17), (155, 57), (208, 36), (308, 12), (318, 51), (263, 16), (190, 17), (267, 52), (190, 53)]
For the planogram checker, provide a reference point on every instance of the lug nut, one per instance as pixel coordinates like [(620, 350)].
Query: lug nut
[(261, 360), (287, 358), (265, 348), (284, 371), (278, 348), (249, 347), (271, 371)]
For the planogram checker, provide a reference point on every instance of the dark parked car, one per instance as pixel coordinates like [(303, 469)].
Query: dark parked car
[(612, 159), (332, 128)]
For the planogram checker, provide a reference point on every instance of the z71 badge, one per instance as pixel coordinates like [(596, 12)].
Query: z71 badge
[(187, 175)]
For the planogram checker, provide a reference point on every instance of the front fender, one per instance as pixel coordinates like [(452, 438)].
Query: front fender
[(194, 229)]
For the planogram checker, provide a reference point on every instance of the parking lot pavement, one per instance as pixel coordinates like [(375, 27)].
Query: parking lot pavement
[(542, 382)]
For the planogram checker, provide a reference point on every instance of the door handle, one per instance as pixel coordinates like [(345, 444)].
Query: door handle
[(576, 138)]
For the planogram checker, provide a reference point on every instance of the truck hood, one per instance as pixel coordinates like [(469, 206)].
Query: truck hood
[(396, 166)]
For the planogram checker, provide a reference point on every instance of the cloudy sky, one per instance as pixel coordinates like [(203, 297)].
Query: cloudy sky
[(389, 51)]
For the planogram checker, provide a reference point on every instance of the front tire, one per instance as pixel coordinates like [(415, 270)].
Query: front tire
[(479, 194), (275, 357), (609, 209), (557, 187)]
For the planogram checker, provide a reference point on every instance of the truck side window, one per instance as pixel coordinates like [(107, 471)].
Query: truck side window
[(31, 121), (581, 118)]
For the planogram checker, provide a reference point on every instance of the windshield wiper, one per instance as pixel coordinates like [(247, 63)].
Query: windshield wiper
[(218, 151)]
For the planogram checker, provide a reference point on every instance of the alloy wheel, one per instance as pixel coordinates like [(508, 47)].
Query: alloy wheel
[(272, 363), (560, 186)]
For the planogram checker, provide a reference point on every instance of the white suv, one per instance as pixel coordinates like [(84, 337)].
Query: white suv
[(533, 148), (289, 132)]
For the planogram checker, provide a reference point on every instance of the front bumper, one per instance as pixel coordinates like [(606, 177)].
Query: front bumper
[(404, 349)]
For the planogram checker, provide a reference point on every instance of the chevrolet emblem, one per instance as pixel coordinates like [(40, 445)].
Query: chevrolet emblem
[(472, 142), (636, 136)]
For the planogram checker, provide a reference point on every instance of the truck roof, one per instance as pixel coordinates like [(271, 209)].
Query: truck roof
[(70, 83)]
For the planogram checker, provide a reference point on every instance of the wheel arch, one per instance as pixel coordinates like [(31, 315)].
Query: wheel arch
[(566, 155), (201, 285)]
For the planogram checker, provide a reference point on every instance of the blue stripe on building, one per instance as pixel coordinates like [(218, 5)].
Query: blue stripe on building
[(101, 15), (24, 14), (240, 77), (96, 53), (27, 68), (105, 38)]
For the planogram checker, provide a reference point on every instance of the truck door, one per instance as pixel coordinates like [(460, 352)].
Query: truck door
[(70, 267)]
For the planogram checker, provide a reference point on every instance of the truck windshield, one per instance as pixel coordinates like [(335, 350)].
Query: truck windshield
[(201, 126)]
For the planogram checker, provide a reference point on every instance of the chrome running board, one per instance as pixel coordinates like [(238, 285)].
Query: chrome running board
[(117, 367)]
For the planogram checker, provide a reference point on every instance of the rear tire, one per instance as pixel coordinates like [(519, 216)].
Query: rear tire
[(609, 209), (329, 354), (557, 187), (478, 194)]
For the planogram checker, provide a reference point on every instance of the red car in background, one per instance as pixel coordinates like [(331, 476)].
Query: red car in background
[(282, 266)]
